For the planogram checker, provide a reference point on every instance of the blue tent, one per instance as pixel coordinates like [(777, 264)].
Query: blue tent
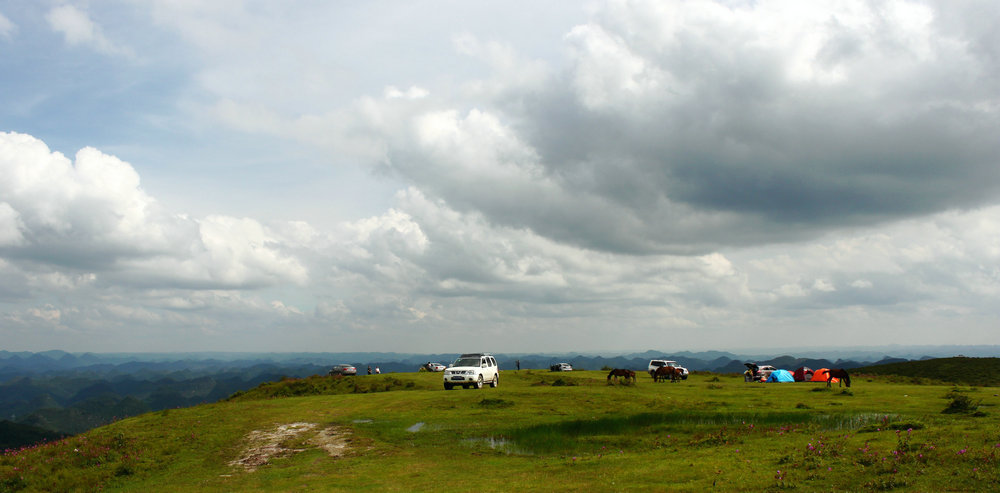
[(780, 376)]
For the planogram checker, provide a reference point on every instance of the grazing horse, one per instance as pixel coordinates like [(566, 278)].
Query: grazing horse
[(838, 373), (666, 371), (621, 372)]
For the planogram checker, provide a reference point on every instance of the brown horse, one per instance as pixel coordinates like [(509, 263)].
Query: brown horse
[(621, 372), (666, 371), (839, 373)]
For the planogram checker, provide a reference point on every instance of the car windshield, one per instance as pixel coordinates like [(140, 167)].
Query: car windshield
[(467, 362)]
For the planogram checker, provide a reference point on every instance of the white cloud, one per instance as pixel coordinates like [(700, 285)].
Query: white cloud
[(7, 28), (10, 226), (93, 215), (609, 75), (78, 29), (413, 92), (706, 168)]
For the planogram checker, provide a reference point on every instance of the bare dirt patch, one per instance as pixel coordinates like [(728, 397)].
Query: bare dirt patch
[(264, 445), (334, 440)]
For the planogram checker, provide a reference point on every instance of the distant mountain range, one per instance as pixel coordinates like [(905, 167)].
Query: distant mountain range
[(67, 393)]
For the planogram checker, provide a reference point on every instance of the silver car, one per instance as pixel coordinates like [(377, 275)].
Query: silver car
[(343, 370)]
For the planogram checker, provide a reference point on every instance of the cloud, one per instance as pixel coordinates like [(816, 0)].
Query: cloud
[(7, 28), (10, 226), (693, 126), (91, 215), (78, 29), (703, 169), (424, 271)]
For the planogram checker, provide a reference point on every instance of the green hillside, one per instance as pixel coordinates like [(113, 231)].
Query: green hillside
[(538, 431), (14, 435), (959, 370)]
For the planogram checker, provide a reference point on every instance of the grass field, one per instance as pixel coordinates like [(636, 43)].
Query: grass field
[(540, 431)]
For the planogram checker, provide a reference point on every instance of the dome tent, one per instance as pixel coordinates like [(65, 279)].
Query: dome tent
[(821, 375), (780, 376)]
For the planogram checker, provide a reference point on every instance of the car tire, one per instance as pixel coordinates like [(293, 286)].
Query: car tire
[(479, 383), (495, 381), (447, 386)]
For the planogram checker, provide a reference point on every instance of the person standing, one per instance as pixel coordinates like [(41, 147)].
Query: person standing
[(377, 370), (369, 369), (518, 362)]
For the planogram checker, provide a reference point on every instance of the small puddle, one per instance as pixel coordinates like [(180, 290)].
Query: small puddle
[(415, 428), (362, 421), (501, 444)]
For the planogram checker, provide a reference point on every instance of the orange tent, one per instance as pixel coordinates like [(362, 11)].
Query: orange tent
[(822, 374)]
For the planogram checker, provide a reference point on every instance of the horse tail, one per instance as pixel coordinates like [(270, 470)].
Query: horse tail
[(610, 374)]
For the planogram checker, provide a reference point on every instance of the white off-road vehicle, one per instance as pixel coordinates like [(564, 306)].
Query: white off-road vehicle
[(472, 370), (654, 364)]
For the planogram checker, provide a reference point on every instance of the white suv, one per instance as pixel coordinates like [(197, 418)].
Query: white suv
[(656, 363), (472, 370)]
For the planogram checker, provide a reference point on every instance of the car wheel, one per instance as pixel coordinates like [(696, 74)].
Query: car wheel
[(495, 382), (479, 383), (447, 386)]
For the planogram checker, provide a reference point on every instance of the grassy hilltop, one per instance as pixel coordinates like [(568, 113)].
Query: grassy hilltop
[(959, 370), (539, 431)]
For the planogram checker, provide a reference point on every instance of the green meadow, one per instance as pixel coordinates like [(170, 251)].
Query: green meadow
[(540, 431)]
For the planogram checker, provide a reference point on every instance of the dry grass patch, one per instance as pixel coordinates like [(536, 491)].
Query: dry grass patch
[(264, 445)]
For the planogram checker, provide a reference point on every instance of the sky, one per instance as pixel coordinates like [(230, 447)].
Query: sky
[(512, 176)]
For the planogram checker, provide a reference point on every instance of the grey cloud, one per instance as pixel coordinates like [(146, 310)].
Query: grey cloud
[(730, 137)]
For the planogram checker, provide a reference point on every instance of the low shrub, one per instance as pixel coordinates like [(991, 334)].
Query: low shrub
[(961, 404), (495, 403)]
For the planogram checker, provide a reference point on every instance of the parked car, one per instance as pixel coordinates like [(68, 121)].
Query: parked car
[(760, 372), (434, 366), (561, 367), (472, 370), (654, 364), (343, 370)]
